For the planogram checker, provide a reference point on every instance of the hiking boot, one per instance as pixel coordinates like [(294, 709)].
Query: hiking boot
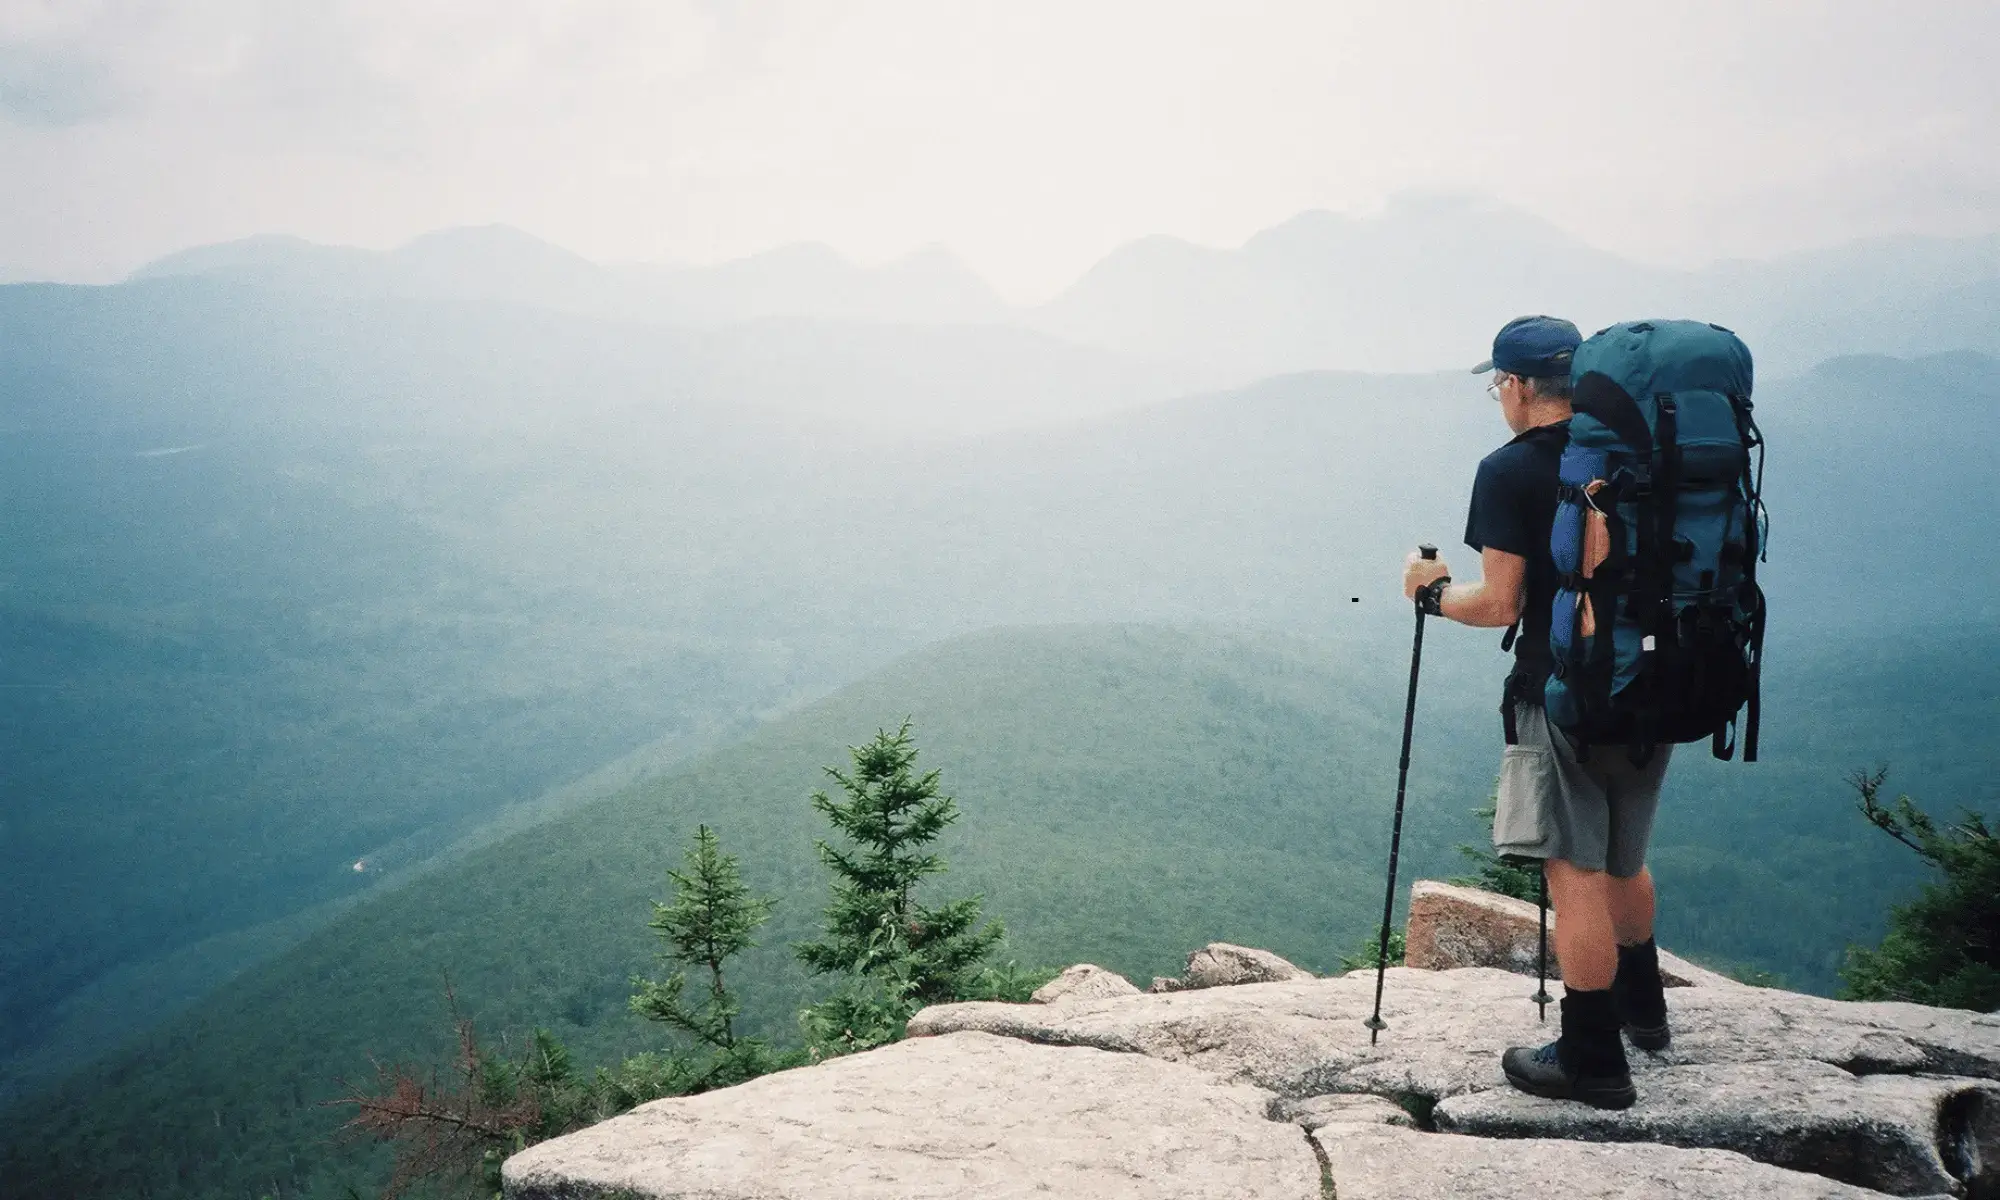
[(1586, 1063), (1641, 997)]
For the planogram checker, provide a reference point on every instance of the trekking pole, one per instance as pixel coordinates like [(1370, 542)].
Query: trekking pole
[(1541, 996), (1375, 1023)]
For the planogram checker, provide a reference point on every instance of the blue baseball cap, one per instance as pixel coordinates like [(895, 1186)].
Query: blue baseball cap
[(1533, 347)]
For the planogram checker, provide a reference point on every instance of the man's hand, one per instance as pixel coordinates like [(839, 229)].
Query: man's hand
[(1419, 571)]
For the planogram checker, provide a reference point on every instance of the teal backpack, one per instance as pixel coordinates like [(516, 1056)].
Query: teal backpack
[(1658, 629)]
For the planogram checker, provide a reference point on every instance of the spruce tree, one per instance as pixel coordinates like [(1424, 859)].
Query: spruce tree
[(710, 920), (1943, 948), (905, 953)]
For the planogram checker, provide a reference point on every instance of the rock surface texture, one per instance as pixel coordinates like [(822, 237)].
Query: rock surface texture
[(1273, 1089), (946, 1117)]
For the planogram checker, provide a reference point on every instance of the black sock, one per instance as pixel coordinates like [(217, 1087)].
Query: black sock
[(1590, 1042), (1639, 990)]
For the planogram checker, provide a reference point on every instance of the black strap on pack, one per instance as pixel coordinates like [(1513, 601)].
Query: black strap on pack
[(1510, 692), (1656, 522), (1750, 717), (1598, 395), (1523, 686), (1755, 535)]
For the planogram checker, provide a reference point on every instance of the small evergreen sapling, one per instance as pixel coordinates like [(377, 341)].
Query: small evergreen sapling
[(712, 918), (901, 954), (458, 1126)]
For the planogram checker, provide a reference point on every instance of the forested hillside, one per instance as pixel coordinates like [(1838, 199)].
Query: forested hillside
[(453, 470), (302, 589), (1128, 793), (292, 585)]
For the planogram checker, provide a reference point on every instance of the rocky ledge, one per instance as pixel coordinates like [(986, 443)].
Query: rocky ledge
[(1272, 1089)]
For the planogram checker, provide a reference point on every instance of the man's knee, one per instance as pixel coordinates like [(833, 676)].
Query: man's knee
[(1569, 872), (1632, 907), (1568, 881)]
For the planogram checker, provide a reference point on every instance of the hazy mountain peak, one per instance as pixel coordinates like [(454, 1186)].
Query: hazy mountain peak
[(938, 268), (262, 255)]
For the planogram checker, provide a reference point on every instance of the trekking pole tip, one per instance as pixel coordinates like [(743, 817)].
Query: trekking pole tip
[(1427, 550)]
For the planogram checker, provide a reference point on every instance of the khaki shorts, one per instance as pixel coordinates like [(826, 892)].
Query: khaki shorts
[(1596, 812)]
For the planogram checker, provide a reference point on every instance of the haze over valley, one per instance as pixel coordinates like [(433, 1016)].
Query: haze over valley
[(306, 572), (387, 592)]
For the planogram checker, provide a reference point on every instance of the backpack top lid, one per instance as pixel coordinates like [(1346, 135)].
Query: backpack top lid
[(1647, 358)]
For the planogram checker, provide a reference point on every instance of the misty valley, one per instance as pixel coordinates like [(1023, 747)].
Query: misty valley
[(372, 620)]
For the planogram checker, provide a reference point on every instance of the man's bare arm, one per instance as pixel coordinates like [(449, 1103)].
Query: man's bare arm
[(1492, 602)]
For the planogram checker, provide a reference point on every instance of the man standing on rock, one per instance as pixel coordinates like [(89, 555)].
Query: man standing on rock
[(1586, 815)]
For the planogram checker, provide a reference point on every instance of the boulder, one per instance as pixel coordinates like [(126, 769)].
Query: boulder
[(1084, 981), (1162, 984), (1902, 1134), (1384, 1163), (1452, 926), (1220, 964), (944, 1117)]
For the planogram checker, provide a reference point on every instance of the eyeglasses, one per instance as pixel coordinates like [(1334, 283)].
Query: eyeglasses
[(1493, 389)]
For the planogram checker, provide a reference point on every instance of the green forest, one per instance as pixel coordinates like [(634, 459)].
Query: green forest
[(1126, 794), (368, 658), (562, 556)]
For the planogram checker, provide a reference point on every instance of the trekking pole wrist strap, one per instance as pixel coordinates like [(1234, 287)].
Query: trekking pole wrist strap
[(1430, 597)]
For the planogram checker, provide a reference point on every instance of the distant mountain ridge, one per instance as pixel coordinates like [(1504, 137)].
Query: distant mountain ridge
[(498, 262), (1420, 287), (1424, 285)]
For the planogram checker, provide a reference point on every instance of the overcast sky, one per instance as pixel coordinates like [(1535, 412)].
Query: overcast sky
[(1029, 136)]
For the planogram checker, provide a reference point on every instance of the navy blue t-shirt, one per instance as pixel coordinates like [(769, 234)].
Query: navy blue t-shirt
[(1513, 509)]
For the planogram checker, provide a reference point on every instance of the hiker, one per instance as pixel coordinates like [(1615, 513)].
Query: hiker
[(1585, 812)]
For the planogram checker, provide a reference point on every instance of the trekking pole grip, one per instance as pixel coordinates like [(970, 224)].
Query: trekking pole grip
[(1429, 553)]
